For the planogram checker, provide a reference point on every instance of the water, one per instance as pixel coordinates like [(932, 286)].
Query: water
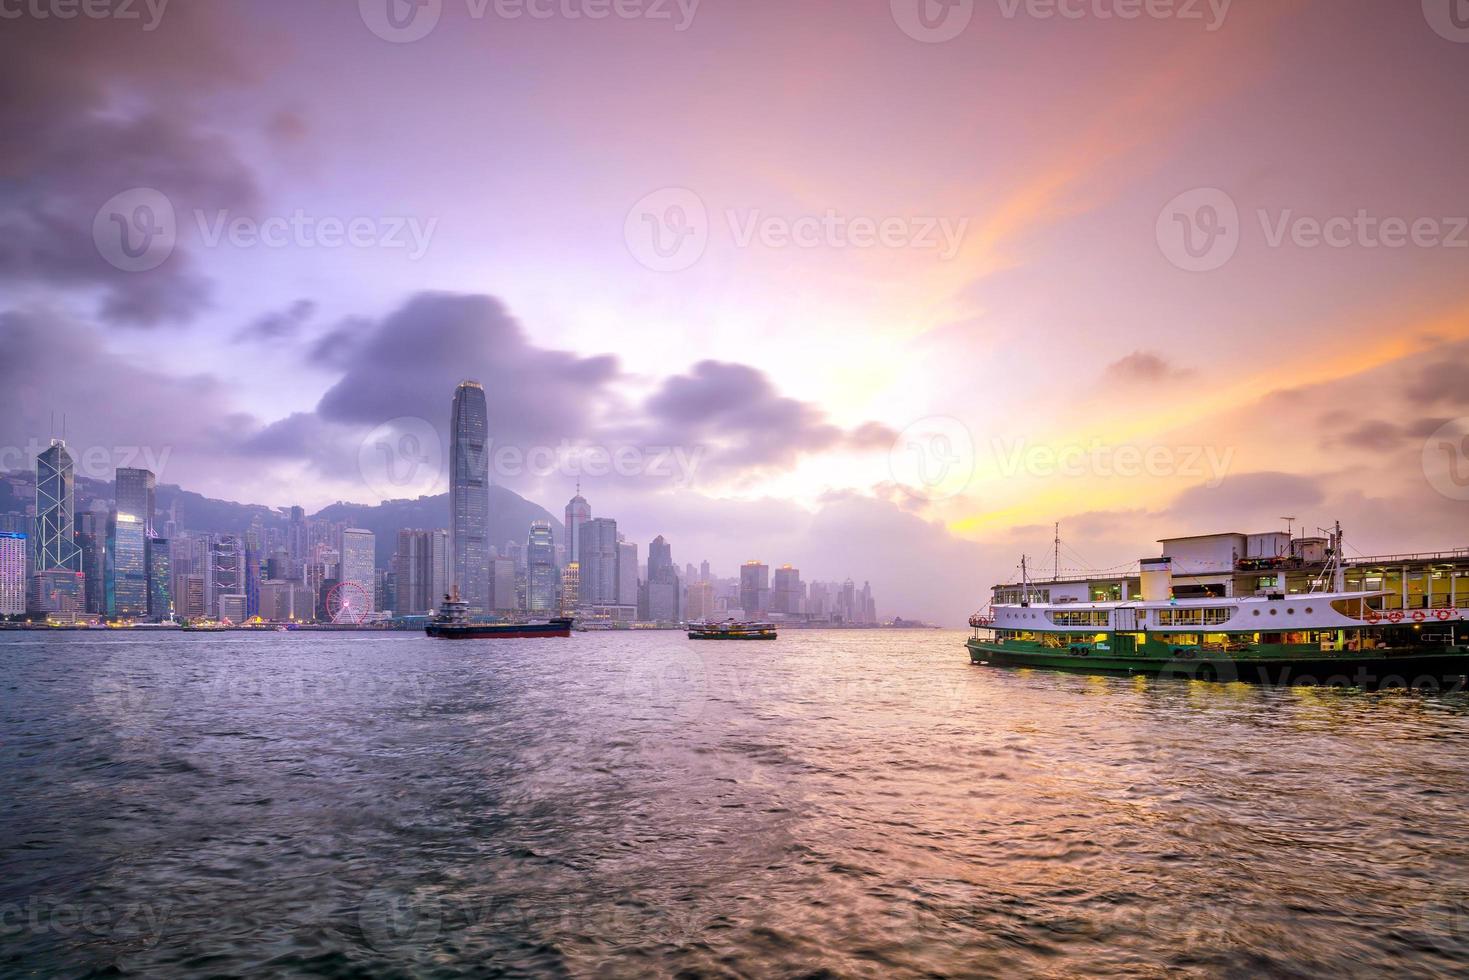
[(853, 803)]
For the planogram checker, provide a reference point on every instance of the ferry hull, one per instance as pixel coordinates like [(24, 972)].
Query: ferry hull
[(1444, 667), (498, 631)]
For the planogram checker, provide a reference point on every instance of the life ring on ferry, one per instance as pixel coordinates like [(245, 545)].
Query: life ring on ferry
[(1442, 615), (1395, 616), (1419, 616), (1373, 616)]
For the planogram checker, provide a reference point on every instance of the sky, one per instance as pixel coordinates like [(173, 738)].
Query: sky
[(880, 289)]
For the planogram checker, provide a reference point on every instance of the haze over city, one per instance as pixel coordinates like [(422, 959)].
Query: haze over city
[(874, 293)]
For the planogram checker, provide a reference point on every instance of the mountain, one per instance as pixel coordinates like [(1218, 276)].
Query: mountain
[(510, 513)]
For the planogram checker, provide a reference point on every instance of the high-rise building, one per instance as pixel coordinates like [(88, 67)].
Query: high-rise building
[(59, 593), (160, 580), (503, 596), (357, 566), (570, 586), (297, 541), (627, 573), (598, 558), (14, 558), (420, 571), (787, 593), (133, 493), (699, 602), (55, 506), (541, 578), (704, 570), (469, 501), (660, 560), (127, 564), (91, 541), (252, 575), (578, 512), (754, 588), (224, 571)]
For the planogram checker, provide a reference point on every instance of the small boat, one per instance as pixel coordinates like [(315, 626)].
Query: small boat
[(731, 630), (452, 623)]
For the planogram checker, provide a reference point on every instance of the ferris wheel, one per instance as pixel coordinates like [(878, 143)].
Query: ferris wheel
[(347, 602)]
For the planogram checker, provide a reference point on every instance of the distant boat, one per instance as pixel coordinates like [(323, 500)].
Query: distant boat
[(731, 630), (452, 623)]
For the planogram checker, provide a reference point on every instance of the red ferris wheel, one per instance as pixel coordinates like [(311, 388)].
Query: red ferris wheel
[(347, 602)]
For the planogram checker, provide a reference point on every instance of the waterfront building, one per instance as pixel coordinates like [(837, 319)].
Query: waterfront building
[(787, 593), (358, 564), (754, 588), (420, 570), (469, 500), (224, 571), (55, 506), (58, 593), (541, 578), (699, 604), (597, 548), (578, 512), (127, 565), (14, 561), (503, 594), (570, 586), (160, 580), (91, 541), (627, 573), (232, 607)]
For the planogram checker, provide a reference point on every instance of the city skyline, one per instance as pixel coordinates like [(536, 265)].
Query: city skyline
[(916, 333)]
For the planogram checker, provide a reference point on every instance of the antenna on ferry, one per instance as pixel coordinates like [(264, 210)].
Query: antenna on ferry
[(1289, 527), (1056, 575), (1024, 584)]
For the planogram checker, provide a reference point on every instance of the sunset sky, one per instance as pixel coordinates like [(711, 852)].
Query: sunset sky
[(868, 278)]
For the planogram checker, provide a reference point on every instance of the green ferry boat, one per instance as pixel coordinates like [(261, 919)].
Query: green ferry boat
[(1367, 638)]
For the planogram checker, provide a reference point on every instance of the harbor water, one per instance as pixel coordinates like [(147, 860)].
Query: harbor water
[(854, 803)]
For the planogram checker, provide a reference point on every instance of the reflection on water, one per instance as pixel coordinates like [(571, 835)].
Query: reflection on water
[(626, 804)]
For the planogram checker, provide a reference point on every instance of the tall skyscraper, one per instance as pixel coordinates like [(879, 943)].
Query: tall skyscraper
[(13, 558), (127, 562), (224, 573), (627, 573), (663, 595), (55, 506), (540, 557), (297, 542), (160, 580), (787, 594), (597, 548), (754, 588), (420, 571), (660, 560), (578, 512), (357, 565), (503, 597), (134, 491), (91, 541), (570, 586), (469, 501)]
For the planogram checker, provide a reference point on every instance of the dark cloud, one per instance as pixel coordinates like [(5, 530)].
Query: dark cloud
[(1245, 501), (1144, 367), (77, 139), (736, 411), (279, 324), (1444, 382), (410, 362)]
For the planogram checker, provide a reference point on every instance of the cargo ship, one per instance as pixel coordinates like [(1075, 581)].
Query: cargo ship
[(453, 623), (731, 630), (1302, 623)]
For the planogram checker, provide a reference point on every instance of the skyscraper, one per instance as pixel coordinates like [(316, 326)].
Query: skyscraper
[(55, 504), (357, 566), (134, 492), (127, 562), (12, 573), (540, 557), (754, 588), (663, 594), (469, 501), (627, 573), (297, 542), (578, 512), (787, 594), (597, 546), (160, 580), (421, 571)]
